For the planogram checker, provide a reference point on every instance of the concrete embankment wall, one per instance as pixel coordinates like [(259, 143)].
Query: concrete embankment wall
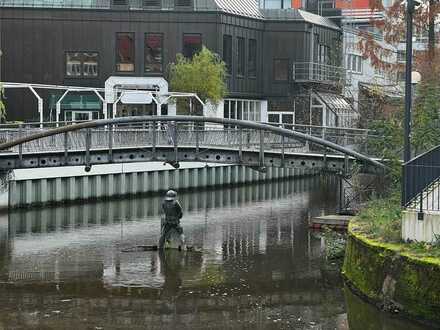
[(50, 187), (393, 280)]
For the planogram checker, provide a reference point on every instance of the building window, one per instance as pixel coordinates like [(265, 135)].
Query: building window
[(241, 59), (354, 63), (242, 108), (252, 58), (286, 119), (192, 44), (125, 52), (119, 2), (227, 51), (275, 4), (152, 3), (81, 64), (183, 3), (153, 53), (281, 69)]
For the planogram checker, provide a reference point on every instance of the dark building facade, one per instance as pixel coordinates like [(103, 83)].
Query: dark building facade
[(279, 61)]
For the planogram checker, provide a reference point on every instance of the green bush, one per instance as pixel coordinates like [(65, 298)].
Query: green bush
[(382, 219)]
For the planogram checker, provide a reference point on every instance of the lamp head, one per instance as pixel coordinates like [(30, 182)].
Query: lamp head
[(416, 77)]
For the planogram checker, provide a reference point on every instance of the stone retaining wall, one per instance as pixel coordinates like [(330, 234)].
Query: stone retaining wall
[(393, 281)]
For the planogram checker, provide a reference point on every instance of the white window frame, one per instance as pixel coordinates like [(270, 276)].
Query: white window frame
[(280, 118), (359, 63), (250, 109)]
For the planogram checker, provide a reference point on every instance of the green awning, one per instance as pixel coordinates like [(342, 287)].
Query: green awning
[(75, 101)]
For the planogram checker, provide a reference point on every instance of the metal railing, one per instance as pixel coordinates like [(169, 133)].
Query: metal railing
[(88, 4), (421, 182), (318, 72), (76, 4), (184, 131), (140, 134)]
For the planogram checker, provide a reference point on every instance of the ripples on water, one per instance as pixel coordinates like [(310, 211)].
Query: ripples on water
[(260, 267)]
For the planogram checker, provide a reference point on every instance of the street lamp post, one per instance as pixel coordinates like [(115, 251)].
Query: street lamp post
[(408, 96), (408, 81)]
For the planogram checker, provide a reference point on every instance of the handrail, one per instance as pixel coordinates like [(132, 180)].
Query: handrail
[(195, 119), (77, 4), (337, 128), (419, 175)]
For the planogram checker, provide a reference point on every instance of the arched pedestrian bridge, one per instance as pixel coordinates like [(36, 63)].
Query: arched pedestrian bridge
[(175, 139)]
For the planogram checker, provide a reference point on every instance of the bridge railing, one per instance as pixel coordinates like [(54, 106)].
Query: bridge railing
[(163, 134), (160, 136), (195, 132)]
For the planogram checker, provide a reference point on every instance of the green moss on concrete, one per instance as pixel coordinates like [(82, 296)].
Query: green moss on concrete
[(393, 275)]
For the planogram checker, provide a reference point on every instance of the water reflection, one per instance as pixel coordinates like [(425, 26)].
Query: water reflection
[(259, 267)]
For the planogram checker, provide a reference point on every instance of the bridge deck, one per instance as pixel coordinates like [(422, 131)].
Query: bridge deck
[(223, 155)]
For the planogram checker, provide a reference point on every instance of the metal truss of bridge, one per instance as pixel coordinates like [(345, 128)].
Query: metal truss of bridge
[(174, 139)]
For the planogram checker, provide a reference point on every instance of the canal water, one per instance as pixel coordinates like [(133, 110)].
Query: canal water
[(259, 266)]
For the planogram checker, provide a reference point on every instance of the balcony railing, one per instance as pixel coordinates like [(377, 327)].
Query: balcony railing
[(86, 4), (318, 72), (102, 4)]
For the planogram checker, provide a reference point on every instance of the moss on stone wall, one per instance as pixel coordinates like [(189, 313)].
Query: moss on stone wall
[(392, 278)]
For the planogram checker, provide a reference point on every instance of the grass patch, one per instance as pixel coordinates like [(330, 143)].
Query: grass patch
[(381, 220)]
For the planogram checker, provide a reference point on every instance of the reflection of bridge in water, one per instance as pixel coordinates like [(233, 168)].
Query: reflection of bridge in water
[(108, 213), (245, 233), (136, 221)]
